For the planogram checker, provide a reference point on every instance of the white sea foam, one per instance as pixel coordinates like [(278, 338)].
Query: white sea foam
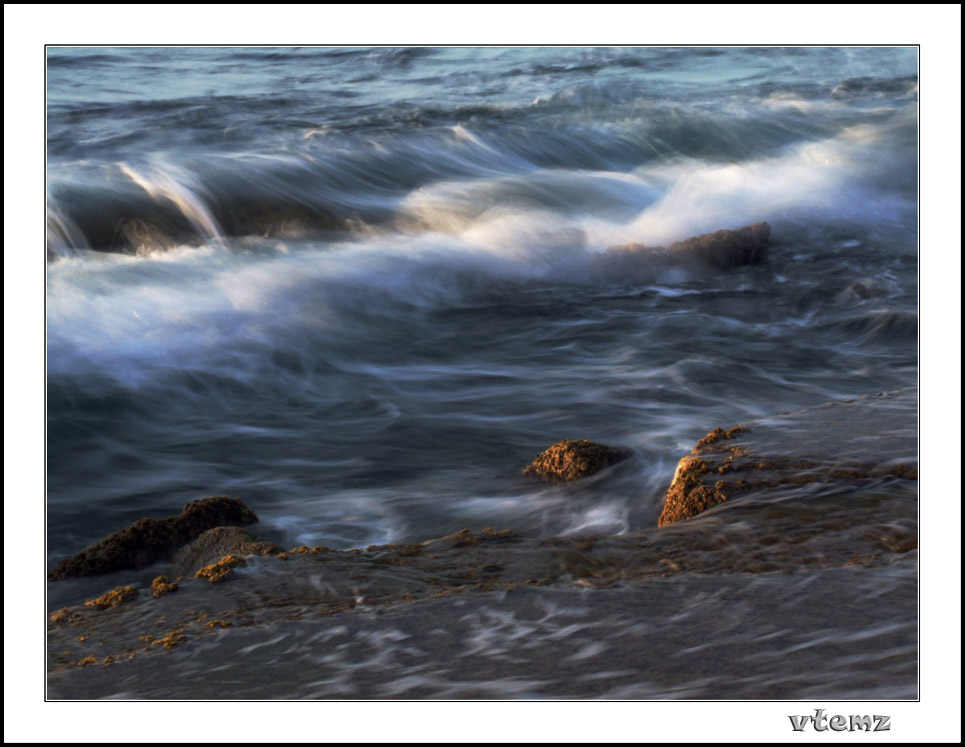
[(830, 176)]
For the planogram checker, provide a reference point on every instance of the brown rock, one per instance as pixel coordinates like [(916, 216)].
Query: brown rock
[(113, 598), (222, 569), (147, 541), (568, 460), (628, 262), (721, 250), (716, 436), (161, 586), (830, 443), (691, 491), (725, 249), (217, 543)]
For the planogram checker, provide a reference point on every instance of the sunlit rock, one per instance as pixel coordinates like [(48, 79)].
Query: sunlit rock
[(568, 460)]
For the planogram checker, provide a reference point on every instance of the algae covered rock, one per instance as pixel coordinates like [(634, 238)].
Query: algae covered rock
[(147, 541), (222, 569), (217, 543), (568, 460), (161, 585), (113, 598)]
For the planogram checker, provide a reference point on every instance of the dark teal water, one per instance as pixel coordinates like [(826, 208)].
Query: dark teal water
[(350, 286)]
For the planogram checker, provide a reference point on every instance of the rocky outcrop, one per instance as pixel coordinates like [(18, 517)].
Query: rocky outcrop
[(693, 489), (830, 443), (846, 529), (721, 250), (860, 513), (148, 541), (724, 250), (218, 543), (568, 460)]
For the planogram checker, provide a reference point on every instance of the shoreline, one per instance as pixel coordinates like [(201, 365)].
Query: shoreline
[(832, 521)]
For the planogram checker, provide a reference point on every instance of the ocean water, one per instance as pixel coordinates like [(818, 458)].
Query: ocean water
[(352, 286)]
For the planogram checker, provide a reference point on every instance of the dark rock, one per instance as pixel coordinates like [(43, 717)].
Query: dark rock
[(724, 250), (199, 516), (861, 290), (568, 460), (628, 263), (721, 250), (147, 541), (216, 543)]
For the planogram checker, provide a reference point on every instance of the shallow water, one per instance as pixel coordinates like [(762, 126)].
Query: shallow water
[(711, 639), (353, 287)]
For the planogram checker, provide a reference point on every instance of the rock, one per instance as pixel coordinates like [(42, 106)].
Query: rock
[(222, 569), (692, 491), (861, 290), (64, 614), (721, 250), (217, 543), (627, 263), (724, 250), (161, 586), (863, 439), (113, 598), (568, 460), (147, 541)]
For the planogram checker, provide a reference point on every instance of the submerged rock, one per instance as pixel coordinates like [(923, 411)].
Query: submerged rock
[(113, 598), (161, 585), (568, 460), (217, 543), (147, 541), (721, 250), (222, 569)]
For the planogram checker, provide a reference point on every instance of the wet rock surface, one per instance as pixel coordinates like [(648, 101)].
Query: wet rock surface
[(715, 637), (566, 460), (871, 527), (113, 598), (726, 249), (721, 250), (215, 544), (162, 585), (147, 541), (819, 508), (220, 570), (819, 445)]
